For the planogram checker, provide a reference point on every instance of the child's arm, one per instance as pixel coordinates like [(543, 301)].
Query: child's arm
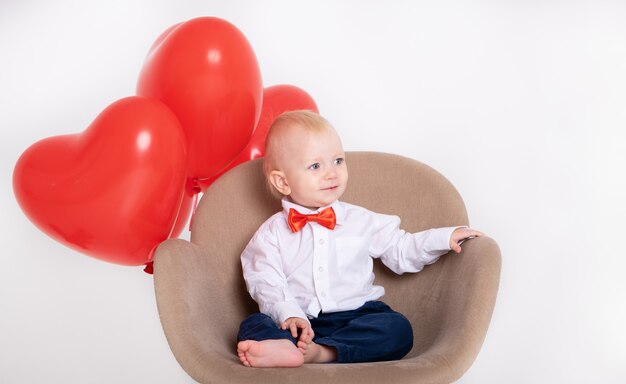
[(405, 252), (266, 281)]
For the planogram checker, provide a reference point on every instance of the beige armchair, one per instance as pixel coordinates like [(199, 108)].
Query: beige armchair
[(202, 298)]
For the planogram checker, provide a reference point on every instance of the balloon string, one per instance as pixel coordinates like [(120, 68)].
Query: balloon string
[(196, 191), (149, 266)]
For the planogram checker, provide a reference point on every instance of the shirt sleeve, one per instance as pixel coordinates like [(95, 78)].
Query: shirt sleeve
[(405, 252), (265, 280)]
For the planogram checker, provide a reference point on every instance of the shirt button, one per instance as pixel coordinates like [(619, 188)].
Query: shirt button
[(321, 269), (323, 294), (321, 241)]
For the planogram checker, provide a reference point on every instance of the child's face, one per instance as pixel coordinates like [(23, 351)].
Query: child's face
[(313, 167)]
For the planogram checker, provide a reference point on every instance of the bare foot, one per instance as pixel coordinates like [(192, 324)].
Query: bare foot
[(269, 354), (317, 353)]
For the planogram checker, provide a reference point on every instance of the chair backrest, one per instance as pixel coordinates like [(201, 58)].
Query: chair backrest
[(237, 203)]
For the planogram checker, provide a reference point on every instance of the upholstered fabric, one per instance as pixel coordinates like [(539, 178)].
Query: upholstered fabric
[(201, 294)]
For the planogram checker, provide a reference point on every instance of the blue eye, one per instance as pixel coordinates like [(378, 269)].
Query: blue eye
[(314, 166), (339, 161)]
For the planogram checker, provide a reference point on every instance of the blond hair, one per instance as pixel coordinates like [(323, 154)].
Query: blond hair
[(307, 120)]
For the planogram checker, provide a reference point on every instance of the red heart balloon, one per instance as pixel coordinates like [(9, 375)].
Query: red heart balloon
[(276, 100), (205, 70), (113, 191)]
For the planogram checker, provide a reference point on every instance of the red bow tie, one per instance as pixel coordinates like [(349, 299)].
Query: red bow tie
[(297, 220)]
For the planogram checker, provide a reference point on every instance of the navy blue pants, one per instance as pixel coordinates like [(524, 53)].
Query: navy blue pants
[(373, 332)]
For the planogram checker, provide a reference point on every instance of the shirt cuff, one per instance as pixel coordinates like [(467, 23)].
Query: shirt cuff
[(439, 242)]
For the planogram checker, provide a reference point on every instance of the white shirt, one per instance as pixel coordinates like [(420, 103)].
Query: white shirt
[(317, 269)]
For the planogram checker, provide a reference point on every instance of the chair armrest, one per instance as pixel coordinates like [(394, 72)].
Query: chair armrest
[(469, 283), (200, 299), (176, 272)]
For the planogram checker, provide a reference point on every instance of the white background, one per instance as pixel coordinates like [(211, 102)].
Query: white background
[(521, 104)]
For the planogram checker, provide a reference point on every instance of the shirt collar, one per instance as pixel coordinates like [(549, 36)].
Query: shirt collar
[(336, 206)]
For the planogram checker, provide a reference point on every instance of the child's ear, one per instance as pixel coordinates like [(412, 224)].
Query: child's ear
[(279, 181)]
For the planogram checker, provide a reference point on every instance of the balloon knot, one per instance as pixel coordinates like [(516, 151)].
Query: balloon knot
[(149, 269), (196, 188)]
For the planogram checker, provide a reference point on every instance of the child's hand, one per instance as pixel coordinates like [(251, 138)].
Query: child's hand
[(295, 323), (460, 235)]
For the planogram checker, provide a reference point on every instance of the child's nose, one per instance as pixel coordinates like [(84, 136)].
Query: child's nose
[(331, 174)]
